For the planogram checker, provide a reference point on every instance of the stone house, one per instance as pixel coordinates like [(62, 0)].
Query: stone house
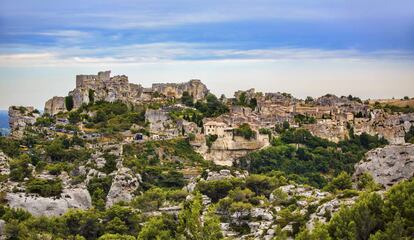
[(214, 128)]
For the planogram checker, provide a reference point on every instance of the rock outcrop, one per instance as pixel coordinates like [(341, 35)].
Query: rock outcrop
[(194, 87), (388, 165), (123, 185), (55, 105), (327, 130), (390, 126), (20, 117), (103, 87), (74, 198), (4, 164), (224, 151)]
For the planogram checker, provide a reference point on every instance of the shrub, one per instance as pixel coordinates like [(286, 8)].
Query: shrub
[(341, 182), (45, 187), (210, 139), (218, 189), (19, 168), (245, 131)]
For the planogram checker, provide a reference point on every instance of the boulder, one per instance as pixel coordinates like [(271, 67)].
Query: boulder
[(388, 165), (123, 185), (75, 198)]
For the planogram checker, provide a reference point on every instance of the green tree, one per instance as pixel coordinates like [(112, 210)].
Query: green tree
[(187, 99), (341, 182), (159, 228), (20, 169), (245, 131), (189, 222), (74, 117), (109, 236), (91, 95), (69, 103), (116, 225)]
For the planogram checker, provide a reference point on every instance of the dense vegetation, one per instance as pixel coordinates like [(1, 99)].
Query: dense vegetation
[(372, 217), (309, 159), (161, 163), (211, 107)]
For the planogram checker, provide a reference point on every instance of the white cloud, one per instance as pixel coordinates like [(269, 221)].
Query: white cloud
[(178, 51)]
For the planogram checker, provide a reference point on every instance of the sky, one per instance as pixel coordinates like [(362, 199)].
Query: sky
[(307, 48)]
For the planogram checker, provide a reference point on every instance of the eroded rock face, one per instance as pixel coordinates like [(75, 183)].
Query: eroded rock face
[(326, 130), (75, 198), (103, 87), (123, 185), (4, 164), (20, 117), (194, 87), (225, 151), (55, 105), (391, 127), (388, 165)]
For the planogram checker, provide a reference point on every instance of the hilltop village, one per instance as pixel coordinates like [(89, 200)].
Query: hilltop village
[(259, 165)]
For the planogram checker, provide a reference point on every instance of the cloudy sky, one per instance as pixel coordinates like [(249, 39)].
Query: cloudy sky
[(364, 48)]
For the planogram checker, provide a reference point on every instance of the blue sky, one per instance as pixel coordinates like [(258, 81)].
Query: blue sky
[(364, 48)]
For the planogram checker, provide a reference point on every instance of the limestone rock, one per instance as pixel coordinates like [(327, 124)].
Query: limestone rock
[(123, 185), (388, 165), (4, 164), (224, 174), (20, 117), (225, 151), (77, 198), (103, 87), (2, 228), (194, 87), (55, 105)]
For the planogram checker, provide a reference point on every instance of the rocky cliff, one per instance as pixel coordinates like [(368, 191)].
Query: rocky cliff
[(103, 87), (388, 165), (224, 151), (391, 127), (55, 105), (20, 117)]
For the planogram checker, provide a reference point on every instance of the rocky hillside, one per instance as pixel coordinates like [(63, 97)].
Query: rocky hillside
[(114, 160)]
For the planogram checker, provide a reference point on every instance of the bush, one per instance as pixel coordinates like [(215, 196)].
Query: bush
[(19, 168), (218, 189), (341, 182), (245, 131), (98, 189), (45, 187), (212, 107), (210, 139), (151, 200)]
